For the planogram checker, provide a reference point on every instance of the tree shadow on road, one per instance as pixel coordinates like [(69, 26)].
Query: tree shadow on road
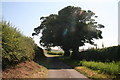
[(53, 63)]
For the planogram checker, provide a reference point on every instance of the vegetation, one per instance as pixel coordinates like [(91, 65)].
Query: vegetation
[(111, 68), (69, 29), (94, 74), (55, 52), (94, 70), (0, 44), (16, 47), (103, 55), (97, 63), (39, 53)]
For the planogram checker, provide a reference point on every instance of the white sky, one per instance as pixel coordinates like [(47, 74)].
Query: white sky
[(26, 15)]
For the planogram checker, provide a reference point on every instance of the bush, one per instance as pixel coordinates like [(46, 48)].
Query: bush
[(104, 55), (39, 53), (16, 47)]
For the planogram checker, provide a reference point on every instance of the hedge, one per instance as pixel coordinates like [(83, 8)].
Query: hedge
[(16, 47), (105, 54)]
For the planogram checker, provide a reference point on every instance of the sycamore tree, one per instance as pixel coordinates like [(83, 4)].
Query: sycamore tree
[(71, 28)]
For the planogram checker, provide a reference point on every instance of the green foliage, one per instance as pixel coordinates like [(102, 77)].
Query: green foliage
[(109, 68), (16, 47), (69, 29), (55, 52), (0, 44), (105, 54), (38, 53)]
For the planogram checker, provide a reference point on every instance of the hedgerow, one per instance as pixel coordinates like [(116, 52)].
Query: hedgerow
[(105, 54), (16, 47)]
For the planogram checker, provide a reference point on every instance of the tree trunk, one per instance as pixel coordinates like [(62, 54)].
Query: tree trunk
[(75, 52), (66, 52)]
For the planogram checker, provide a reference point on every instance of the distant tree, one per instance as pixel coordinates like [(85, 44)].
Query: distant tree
[(69, 29), (96, 46), (103, 45)]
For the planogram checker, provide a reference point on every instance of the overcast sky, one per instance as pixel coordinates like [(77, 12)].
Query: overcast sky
[(26, 15)]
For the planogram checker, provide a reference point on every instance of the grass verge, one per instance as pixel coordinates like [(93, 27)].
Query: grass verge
[(111, 68), (94, 74)]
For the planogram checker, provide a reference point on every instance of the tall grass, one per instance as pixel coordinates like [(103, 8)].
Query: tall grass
[(109, 68)]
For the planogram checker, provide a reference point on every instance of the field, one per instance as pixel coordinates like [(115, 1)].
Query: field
[(56, 52)]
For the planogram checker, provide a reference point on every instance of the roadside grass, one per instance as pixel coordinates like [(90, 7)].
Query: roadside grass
[(108, 68), (93, 73)]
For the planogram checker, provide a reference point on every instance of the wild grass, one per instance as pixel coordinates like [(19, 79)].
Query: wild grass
[(111, 68)]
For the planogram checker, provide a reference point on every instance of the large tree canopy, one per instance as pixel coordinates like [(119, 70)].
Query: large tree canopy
[(70, 28)]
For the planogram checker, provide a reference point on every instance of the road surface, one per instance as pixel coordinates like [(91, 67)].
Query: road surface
[(57, 69)]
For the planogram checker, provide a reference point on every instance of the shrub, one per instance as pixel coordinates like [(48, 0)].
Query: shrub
[(104, 55), (39, 53), (16, 47)]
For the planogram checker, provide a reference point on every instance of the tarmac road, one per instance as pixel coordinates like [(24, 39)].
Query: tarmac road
[(58, 69)]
